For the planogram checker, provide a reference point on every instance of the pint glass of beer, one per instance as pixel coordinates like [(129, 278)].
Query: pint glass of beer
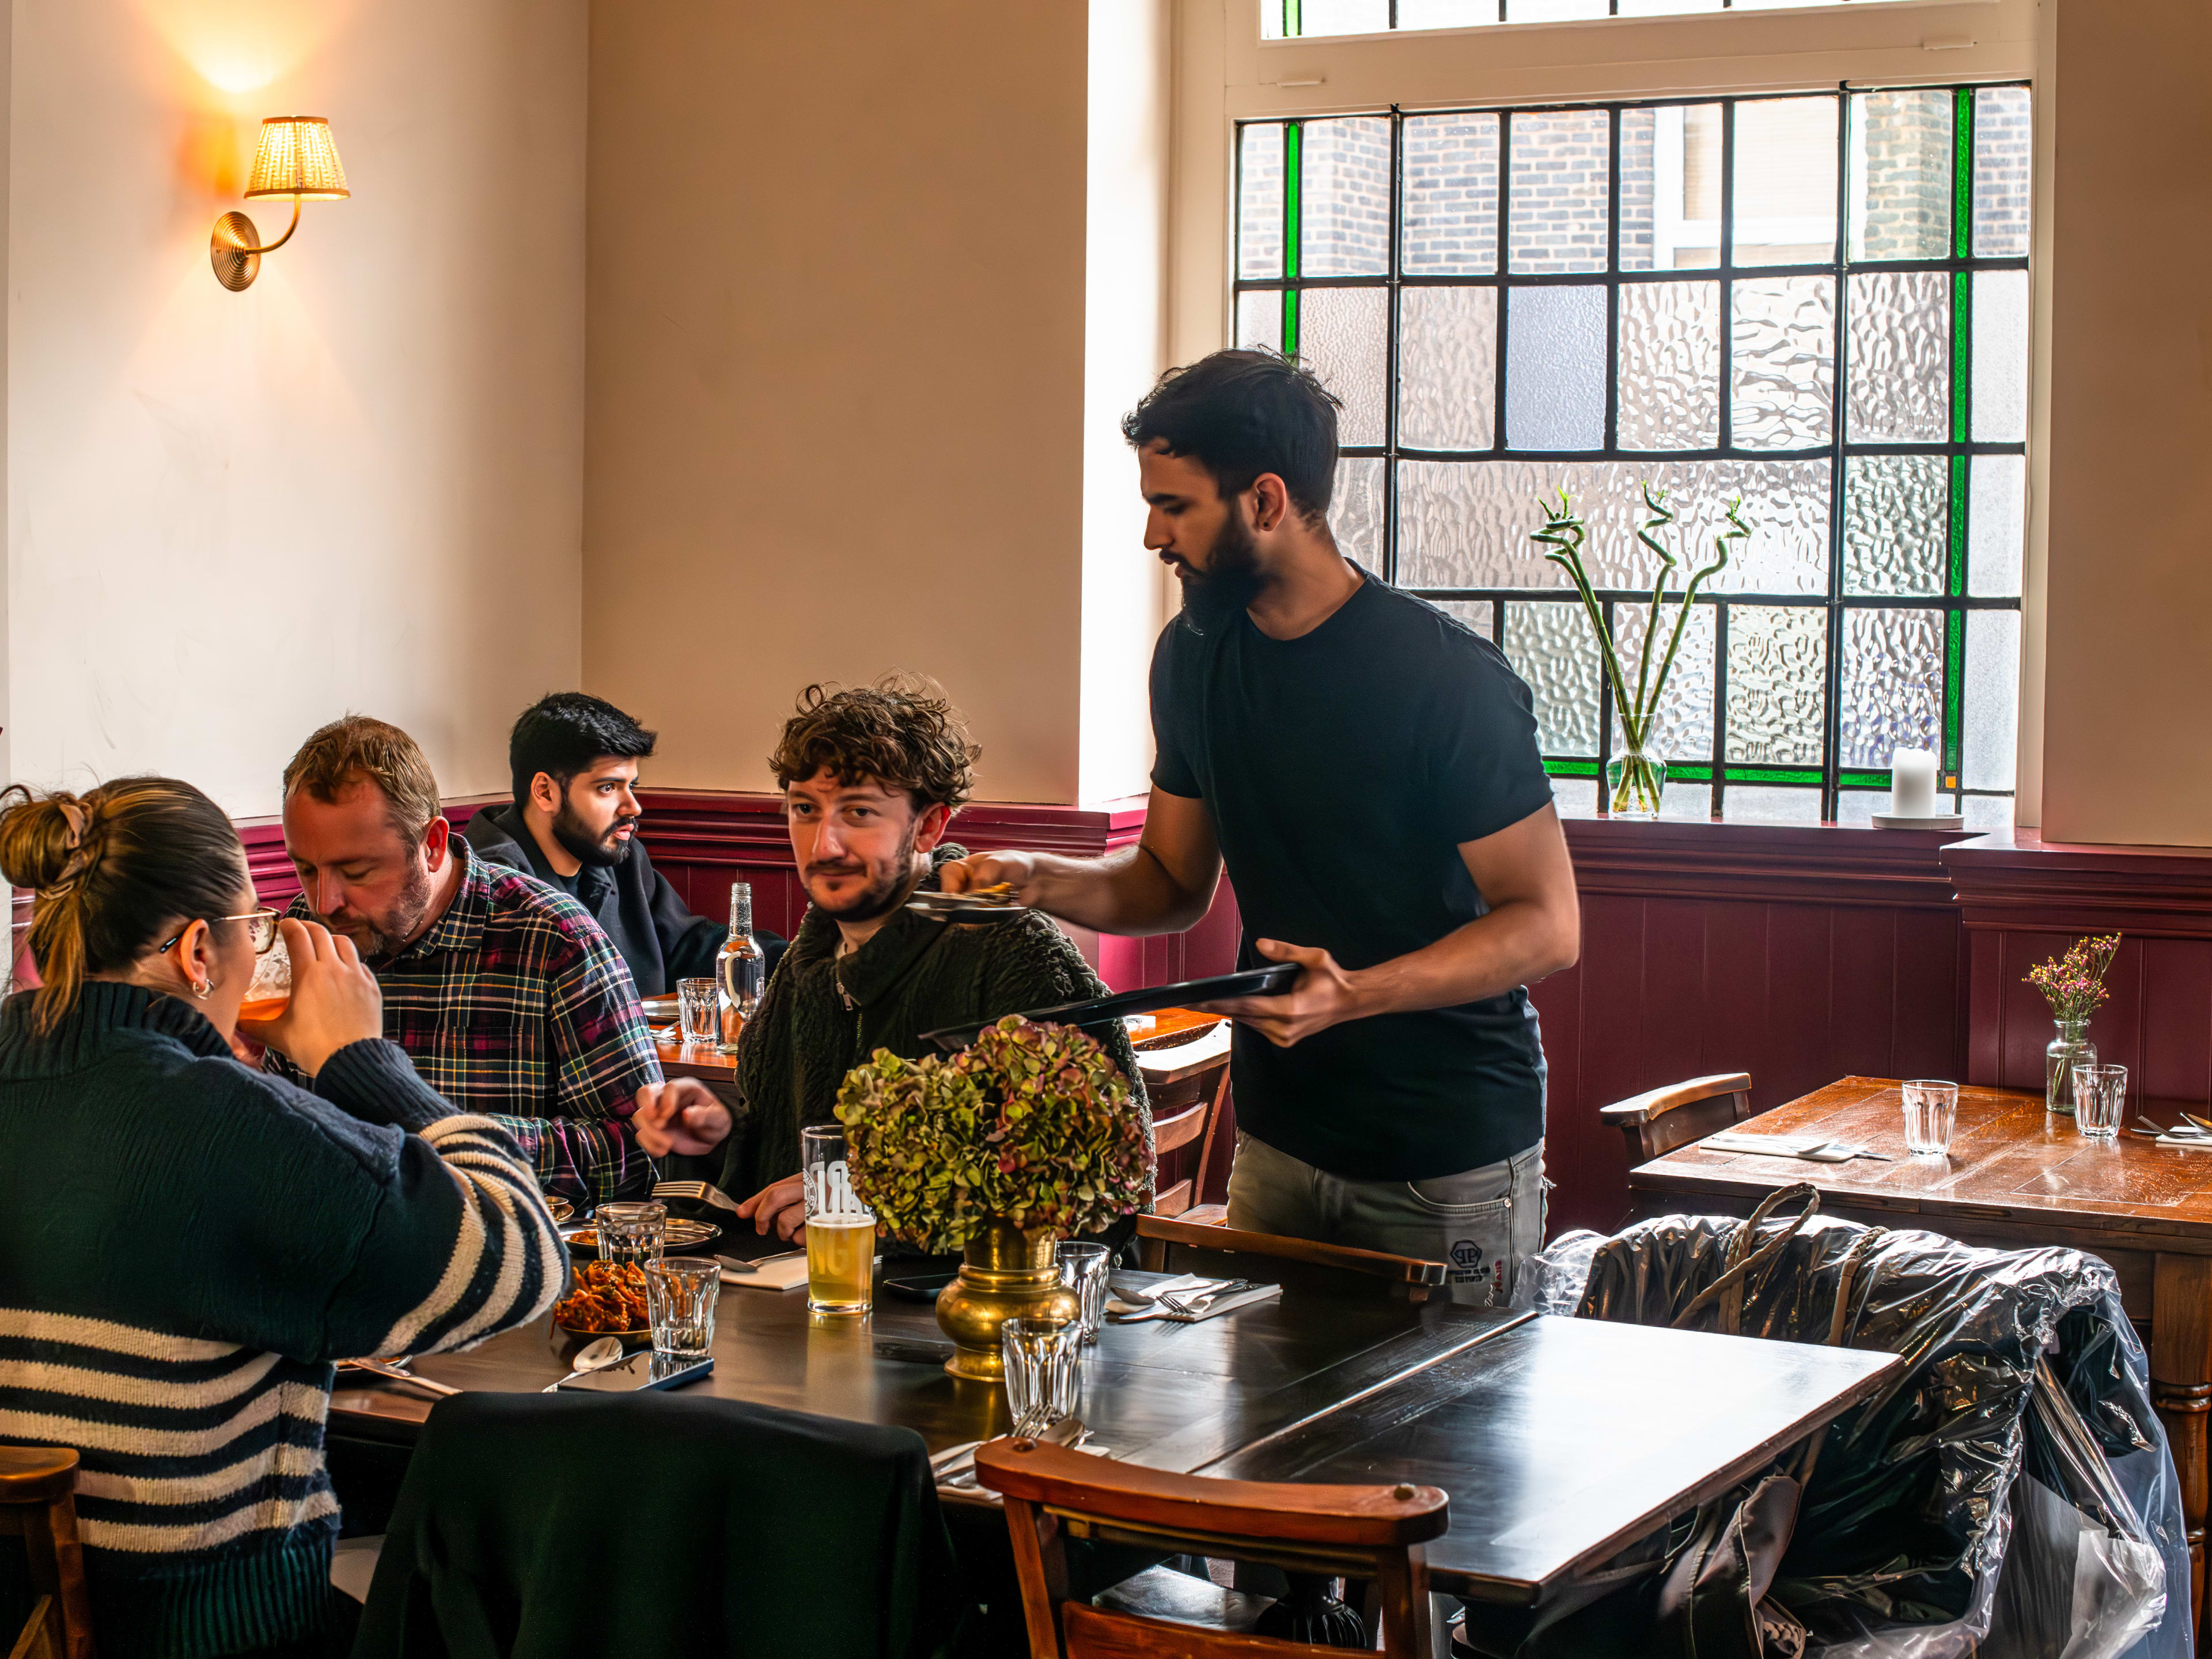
[(840, 1232), (268, 993)]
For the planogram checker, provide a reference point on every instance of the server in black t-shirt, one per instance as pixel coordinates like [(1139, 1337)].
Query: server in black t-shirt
[(1366, 767)]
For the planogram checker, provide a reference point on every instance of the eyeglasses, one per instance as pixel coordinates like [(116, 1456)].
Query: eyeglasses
[(263, 926)]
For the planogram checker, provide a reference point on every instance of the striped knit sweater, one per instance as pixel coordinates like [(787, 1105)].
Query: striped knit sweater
[(185, 1245)]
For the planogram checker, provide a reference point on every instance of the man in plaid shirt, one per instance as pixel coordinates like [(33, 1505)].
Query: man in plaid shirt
[(505, 992)]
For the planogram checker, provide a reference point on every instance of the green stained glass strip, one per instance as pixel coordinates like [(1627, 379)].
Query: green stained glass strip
[(1688, 773), (1962, 174), (1962, 347), (1958, 525), (1954, 647), (1571, 768), (1294, 134), (1773, 775), (1863, 780), (1289, 322), (1293, 24)]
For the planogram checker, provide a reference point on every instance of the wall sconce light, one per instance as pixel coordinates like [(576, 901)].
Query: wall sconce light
[(296, 157)]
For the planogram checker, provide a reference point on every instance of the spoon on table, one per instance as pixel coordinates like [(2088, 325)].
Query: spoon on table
[(592, 1357)]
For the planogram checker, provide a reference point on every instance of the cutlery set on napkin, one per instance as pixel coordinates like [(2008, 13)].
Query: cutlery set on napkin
[(1813, 1149), (2191, 1134), (1185, 1300)]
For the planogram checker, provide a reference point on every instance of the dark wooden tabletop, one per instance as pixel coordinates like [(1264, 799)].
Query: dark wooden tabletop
[(1562, 1440), (2009, 1163)]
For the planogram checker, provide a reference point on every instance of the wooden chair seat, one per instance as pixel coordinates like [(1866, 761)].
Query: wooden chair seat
[(1176, 1598), (1300, 1266), (37, 1503), (1372, 1534), (1658, 1120)]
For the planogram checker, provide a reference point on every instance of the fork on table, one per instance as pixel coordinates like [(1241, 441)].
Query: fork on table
[(696, 1191)]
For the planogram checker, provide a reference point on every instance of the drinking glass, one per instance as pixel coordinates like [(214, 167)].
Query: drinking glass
[(2101, 1098), (841, 1230), (1932, 1112), (1041, 1355), (1083, 1270), (634, 1233), (698, 1011), (680, 1291), (268, 993)]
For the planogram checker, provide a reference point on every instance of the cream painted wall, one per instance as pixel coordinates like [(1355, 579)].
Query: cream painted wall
[(355, 485), (836, 368), (2127, 746)]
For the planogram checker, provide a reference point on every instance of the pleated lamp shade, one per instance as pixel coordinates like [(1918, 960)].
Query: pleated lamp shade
[(297, 156)]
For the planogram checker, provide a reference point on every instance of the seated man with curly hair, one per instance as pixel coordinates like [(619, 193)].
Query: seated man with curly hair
[(871, 779)]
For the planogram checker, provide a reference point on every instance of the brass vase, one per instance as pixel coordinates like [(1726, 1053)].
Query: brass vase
[(1004, 1275)]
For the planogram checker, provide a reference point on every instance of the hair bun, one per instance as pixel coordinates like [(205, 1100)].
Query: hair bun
[(39, 835)]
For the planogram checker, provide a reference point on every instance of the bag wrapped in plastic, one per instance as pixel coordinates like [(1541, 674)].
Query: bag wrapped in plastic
[(1902, 1537), (1550, 1281)]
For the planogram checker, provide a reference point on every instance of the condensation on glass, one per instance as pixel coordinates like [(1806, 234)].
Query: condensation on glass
[(1816, 305)]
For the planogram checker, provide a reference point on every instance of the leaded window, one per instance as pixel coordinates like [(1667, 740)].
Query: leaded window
[(1819, 303), (1282, 20)]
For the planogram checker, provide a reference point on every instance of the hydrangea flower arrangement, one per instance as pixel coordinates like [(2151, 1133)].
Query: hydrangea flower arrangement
[(1032, 1125)]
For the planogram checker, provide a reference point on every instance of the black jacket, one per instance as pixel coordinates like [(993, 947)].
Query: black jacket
[(655, 930)]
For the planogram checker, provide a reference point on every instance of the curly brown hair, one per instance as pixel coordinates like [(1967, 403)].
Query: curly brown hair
[(901, 733)]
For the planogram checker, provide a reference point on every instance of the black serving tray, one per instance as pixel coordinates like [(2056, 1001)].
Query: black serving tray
[(1269, 981)]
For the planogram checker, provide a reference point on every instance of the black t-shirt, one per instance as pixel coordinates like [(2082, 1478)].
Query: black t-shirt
[(1342, 770)]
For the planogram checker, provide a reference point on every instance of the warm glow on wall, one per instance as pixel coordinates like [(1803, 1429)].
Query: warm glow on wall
[(241, 47), (297, 157)]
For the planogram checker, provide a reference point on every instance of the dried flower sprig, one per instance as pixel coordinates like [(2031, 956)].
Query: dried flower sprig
[(1029, 1124), (2073, 984)]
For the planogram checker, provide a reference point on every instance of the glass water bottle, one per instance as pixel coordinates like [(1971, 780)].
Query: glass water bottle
[(741, 969)]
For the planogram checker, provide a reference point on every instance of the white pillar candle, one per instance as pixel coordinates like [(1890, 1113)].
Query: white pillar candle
[(1912, 784)]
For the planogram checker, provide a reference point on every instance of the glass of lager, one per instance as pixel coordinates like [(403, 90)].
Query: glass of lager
[(840, 1232)]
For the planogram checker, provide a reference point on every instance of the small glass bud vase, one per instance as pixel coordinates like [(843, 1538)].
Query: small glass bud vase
[(1633, 783), (2070, 1049)]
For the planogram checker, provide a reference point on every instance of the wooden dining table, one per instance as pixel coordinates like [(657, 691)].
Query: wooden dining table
[(2017, 1178), (1552, 1461)]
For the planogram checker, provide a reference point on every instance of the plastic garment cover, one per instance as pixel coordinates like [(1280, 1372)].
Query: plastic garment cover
[(1903, 1533)]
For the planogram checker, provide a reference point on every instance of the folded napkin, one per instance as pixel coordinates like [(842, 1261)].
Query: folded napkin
[(2186, 1142), (785, 1272), (1813, 1149), (1220, 1304)]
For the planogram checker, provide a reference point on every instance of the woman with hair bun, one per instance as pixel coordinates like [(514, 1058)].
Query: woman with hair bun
[(186, 1243)]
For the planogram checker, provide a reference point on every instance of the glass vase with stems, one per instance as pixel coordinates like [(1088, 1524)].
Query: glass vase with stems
[(2074, 986), (1636, 781)]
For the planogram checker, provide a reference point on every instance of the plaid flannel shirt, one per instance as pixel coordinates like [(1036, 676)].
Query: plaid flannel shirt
[(516, 1005)]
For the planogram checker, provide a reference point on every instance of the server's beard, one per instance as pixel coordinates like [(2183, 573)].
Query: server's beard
[(1213, 597)]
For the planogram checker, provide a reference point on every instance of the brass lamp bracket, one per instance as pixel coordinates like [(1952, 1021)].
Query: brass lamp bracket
[(236, 247)]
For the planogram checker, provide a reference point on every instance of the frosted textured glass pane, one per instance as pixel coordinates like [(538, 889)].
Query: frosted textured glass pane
[(1896, 524), (1778, 666), (1785, 361), (1899, 329), (1670, 187), (1467, 523), (1856, 807), (1344, 197), (1575, 796), (1259, 320), (1996, 524), (1260, 201), (1892, 696), (1900, 174), (1555, 368), (1554, 11), (1786, 181), (1338, 16), (1341, 334), (1552, 647), (1990, 741), (1763, 803), (1670, 362), (1450, 223), (1560, 168), (1664, 9), (1999, 388), (1686, 800), (2004, 143), (1445, 14), (1987, 812), (1447, 368), (1475, 613), (1355, 511), (1683, 728)]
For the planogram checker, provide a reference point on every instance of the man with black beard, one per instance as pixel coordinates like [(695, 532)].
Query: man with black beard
[(574, 762), (870, 778), (1366, 768)]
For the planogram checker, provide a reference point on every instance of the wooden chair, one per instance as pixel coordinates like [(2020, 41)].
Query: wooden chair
[(1658, 1122), (1300, 1266), (38, 1487), (1186, 1096), (1374, 1533)]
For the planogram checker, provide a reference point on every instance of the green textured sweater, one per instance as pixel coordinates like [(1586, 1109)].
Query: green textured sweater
[(823, 1015)]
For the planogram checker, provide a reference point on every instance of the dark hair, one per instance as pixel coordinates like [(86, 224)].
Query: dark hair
[(1239, 414), (900, 733), (354, 749), (563, 734), (111, 868)]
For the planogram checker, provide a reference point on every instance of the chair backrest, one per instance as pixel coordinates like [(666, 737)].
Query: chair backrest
[(1300, 1266), (1659, 1120), (1374, 1533), (38, 1502), (1187, 1085)]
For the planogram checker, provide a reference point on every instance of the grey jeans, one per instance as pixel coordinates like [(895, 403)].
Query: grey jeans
[(1484, 1223)]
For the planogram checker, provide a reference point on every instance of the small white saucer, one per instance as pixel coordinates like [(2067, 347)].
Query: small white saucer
[(1941, 821)]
